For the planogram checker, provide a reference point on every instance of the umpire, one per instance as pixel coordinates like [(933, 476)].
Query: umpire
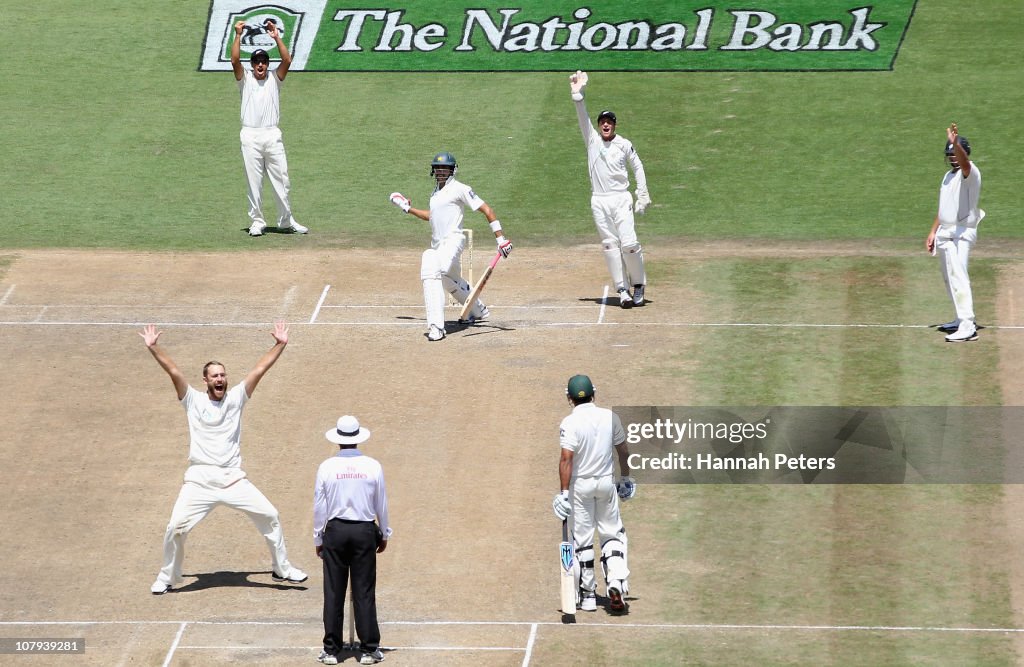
[(348, 496)]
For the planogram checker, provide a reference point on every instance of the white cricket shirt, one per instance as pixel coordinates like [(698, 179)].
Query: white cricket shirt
[(591, 433), (215, 427), (607, 160), (350, 486), (261, 100), (447, 209), (958, 199)]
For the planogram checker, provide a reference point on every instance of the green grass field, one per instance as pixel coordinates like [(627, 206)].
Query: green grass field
[(114, 140)]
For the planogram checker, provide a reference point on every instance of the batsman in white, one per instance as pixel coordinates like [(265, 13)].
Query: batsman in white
[(215, 476), (441, 266), (590, 494), (608, 155), (955, 232), (262, 144)]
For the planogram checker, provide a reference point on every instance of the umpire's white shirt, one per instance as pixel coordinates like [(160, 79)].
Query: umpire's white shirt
[(350, 486), (591, 433), (215, 427), (261, 100), (447, 209), (607, 160), (958, 199)]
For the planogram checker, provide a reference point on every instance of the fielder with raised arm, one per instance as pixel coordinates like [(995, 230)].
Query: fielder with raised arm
[(590, 494), (608, 155), (215, 476), (441, 265)]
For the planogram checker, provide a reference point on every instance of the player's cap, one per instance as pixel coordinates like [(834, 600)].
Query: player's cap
[(579, 387), (259, 55), (348, 432), (963, 142), (610, 115)]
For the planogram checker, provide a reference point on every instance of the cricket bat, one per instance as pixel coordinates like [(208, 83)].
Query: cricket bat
[(468, 306), (567, 559)]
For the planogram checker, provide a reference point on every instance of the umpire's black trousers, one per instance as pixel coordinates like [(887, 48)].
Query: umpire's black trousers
[(350, 548)]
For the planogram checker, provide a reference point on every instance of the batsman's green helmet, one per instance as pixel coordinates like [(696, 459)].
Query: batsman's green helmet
[(580, 387)]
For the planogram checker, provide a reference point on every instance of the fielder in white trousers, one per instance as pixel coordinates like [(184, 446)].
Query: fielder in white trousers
[(263, 156)]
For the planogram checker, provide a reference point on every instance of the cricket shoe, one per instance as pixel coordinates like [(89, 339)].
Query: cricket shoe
[(293, 576), (436, 333), (294, 228), (473, 319), (949, 327), (625, 300), (615, 601), (371, 657), (327, 658), (966, 332), (588, 601), (638, 295), (256, 228), (159, 588)]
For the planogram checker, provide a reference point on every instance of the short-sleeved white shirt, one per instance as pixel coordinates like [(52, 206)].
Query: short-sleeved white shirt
[(591, 433), (958, 199), (261, 100), (447, 209), (215, 427)]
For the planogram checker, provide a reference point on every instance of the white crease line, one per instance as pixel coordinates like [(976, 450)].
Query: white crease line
[(250, 647), (174, 644), (41, 313), (650, 626), (604, 304), (289, 298), (519, 324), (316, 311), (529, 645), (7, 294)]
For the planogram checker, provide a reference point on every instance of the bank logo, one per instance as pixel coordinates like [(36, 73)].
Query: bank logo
[(565, 35)]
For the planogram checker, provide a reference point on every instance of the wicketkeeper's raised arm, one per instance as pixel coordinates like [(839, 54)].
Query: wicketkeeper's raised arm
[(280, 335), (577, 82), (151, 335)]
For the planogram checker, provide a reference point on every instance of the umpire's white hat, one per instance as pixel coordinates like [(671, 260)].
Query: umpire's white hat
[(348, 432)]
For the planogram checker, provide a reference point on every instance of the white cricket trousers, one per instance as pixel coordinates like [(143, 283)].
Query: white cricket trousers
[(441, 271), (953, 245), (613, 215), (195, 501), (263, 155), (595, 504)]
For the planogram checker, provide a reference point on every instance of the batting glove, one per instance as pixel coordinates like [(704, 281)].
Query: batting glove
[(626, 488), (400, 200), (504, 246), (561, 505)]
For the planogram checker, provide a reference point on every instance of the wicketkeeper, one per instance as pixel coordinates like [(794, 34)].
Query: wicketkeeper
[(441, 266), (608, 155), (590, 494)]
